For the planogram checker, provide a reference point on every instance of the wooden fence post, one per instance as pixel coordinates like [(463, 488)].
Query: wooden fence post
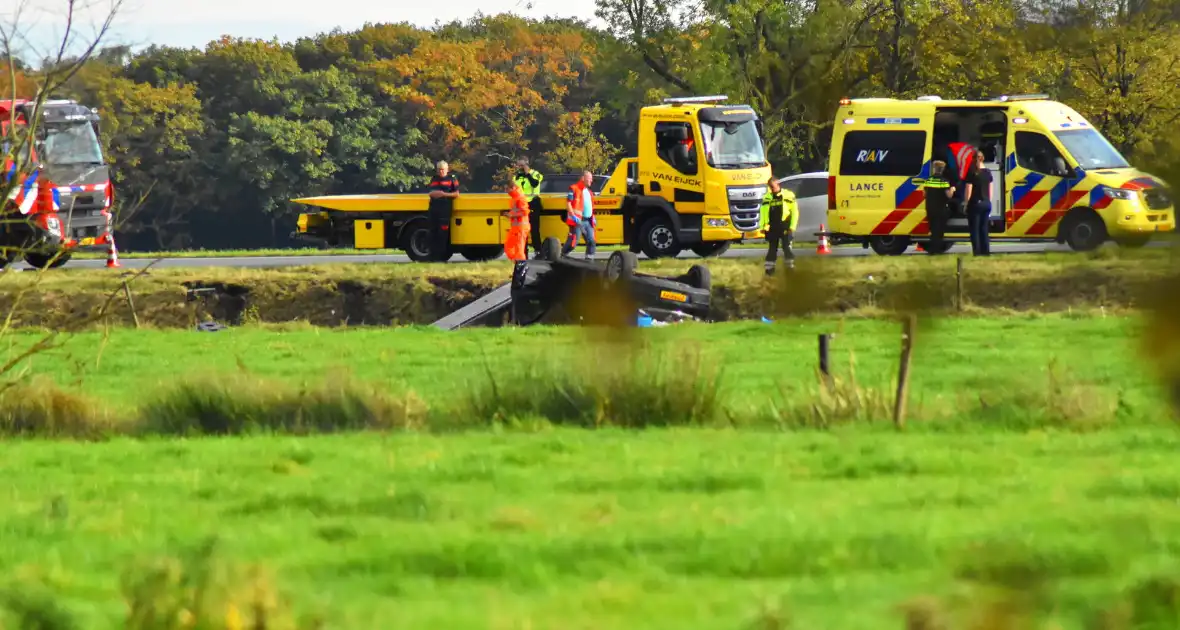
[(959, 284), (908, 329)]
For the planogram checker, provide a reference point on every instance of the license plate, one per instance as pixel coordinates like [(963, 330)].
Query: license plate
[(673, 296), (89, 240)]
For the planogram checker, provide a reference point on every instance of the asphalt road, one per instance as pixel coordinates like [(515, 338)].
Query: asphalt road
[(260, 262)]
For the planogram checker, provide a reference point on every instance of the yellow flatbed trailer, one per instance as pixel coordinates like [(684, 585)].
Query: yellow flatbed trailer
[(477, 227)]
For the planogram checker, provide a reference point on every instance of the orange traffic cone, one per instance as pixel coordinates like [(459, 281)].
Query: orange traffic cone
[(112, 253), (822, 248)]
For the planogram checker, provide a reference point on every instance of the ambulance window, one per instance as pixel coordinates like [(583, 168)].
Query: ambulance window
[(883, 153), (670, 137), (1036, 153)]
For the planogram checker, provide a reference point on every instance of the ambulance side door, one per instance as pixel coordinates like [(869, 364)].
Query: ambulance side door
[(879, 183)]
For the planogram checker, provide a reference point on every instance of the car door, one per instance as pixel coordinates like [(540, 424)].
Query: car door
[(812, 196)]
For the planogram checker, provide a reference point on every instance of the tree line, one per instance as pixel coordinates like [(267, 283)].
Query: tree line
[(217, 141)]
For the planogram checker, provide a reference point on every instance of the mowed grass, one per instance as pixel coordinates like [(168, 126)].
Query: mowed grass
[(957, 360), (1040, 461), (650, 530)]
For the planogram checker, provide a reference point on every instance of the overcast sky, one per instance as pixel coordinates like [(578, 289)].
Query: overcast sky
[(143, 22)]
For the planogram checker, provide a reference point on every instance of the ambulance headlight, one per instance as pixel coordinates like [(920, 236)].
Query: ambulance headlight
[(53, 225), (718, 222), (1124, 195)]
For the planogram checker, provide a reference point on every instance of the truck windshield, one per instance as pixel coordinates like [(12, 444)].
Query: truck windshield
[(1090, 149), (71, 143), (733, 145)]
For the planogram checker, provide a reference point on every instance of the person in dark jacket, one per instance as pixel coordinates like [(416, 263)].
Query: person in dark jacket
[(938, 194), (979, 206), (443, 189)]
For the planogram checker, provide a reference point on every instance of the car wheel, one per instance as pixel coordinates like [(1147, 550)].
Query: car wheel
[(550, 249), (700, 277), (620, 266)]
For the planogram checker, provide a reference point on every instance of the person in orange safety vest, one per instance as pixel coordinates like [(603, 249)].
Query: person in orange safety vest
[(518, 227), (579, 215)]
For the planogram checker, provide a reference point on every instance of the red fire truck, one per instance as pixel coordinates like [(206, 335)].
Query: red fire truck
[(61, 200)]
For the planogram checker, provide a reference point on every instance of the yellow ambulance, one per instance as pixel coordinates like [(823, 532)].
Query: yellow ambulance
[(1054, 175)]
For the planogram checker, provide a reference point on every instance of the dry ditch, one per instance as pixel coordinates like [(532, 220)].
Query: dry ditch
[(365, 295)]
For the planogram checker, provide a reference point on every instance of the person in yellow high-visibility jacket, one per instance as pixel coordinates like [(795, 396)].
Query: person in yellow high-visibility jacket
[(780, 217), (529, 181)]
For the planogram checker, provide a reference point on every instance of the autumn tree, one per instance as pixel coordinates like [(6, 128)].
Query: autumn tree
[(482, 92), (580, 146)]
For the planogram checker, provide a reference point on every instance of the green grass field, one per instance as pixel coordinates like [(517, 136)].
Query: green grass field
[(565, 529), (1038, 471), (757, 362)]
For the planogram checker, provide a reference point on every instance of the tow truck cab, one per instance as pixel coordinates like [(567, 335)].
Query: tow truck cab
[(698, 180)]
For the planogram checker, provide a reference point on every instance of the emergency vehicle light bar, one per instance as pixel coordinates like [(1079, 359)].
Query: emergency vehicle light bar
[(697, 99), (1020, 97)]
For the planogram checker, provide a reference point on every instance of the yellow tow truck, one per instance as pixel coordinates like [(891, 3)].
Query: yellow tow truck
[(697, 183)]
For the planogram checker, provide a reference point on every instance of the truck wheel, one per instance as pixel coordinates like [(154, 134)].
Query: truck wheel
[(1084, 230), (890, 245), (46, 261), (657, 239), (418, 242), (620, 265), (711, 248), (700, 277), (550, 249), (481, 253)]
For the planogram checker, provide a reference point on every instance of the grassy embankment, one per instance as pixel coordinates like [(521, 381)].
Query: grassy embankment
[(371, 294), (1039, 458), (315, 251)]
